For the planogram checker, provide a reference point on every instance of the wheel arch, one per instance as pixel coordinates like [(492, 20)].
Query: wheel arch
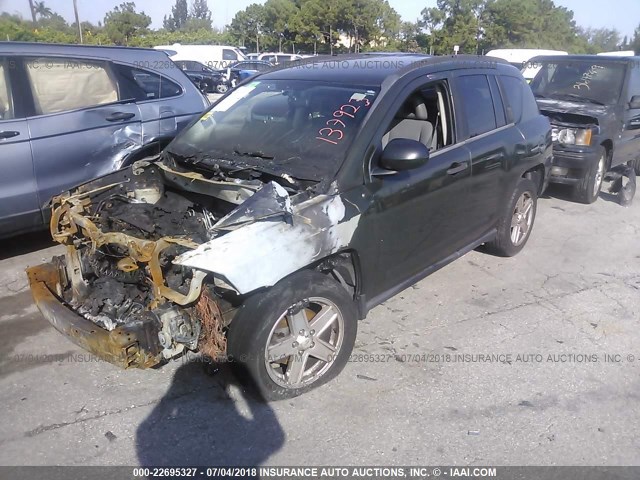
[(608, 146), (153, 147), (344, 267), (537, 175)]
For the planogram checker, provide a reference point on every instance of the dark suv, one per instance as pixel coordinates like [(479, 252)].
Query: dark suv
[(593, 103), (292, 207)]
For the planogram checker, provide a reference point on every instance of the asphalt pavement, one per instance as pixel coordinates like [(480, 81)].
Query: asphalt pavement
[(532, 360)]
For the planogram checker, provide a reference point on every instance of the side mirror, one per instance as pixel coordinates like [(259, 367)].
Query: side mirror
[(404, 154), (635, 102)]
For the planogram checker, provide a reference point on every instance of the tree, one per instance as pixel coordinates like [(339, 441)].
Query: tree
[(280, 21), (247, 25), (42, 11), (527, 24), (600, 39), (455, 22), (200, 10), (124, 23), (635, 43), (179, 16)]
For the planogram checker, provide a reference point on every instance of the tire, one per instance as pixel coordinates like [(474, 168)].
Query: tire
[(636, 165), (522, 207), (273, 325), (222, 88), (588, 189)]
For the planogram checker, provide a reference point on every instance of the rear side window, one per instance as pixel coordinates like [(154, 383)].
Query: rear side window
[(519, 99), (474, 97), (60, 85), (144, 85), (513, 91), (229, 54), (6, 106)]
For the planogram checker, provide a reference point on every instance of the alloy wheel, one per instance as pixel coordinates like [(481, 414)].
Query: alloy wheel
[(522, 219), (599, 176), (304, 343)]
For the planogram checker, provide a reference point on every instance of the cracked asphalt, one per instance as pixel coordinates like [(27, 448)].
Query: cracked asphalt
[(533, 360)]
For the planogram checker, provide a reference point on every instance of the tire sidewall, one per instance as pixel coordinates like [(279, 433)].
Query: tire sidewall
[(251, 327), (584, 189), (503, 245)]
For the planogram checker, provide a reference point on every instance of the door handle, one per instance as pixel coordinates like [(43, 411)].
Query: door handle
[(494, 157), (119, 116), (457, 168), (8, 134)]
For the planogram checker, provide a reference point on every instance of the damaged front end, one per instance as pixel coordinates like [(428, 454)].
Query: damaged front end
[(116, 292), (158, 258)]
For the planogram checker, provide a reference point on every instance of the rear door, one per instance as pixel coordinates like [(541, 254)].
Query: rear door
[(19, 206), (484, 129), (79, 130), (164, 110)]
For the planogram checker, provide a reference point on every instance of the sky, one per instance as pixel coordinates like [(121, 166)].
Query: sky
[(624, 16)]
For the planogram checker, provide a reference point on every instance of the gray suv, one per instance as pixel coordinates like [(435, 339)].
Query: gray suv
[(72, 113)]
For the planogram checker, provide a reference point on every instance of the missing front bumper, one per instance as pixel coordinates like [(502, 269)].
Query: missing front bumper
[(134, 345)]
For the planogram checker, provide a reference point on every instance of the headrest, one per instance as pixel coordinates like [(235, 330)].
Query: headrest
[(413, 108)]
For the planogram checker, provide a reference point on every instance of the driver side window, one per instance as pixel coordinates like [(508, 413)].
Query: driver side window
[(425, 116)]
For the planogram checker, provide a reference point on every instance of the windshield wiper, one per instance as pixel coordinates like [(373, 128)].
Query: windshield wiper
[(257, 154)]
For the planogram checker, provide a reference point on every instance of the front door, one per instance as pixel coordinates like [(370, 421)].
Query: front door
[(420, 218), (80, 130)]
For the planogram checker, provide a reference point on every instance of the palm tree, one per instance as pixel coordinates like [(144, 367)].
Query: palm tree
[(42, 10)]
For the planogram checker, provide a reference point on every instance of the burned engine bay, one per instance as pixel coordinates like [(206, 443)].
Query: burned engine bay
[(123, 233), (160, 256)]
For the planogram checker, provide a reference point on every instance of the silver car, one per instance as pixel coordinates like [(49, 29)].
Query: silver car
[(71, 113)]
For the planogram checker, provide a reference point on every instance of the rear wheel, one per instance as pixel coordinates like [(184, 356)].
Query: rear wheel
[(588, 189), (222, 88), (516, 224), (294, 337)]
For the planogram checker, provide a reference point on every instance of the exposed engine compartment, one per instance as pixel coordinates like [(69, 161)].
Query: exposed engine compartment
[(159, 257), (123, 233)]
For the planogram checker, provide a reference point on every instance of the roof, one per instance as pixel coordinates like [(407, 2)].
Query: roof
[(374, 68), (73, 49), (588, 58)]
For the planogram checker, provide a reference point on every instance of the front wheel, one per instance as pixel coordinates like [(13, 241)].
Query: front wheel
[(222, 88), (514, 228), (635, 164), (588, 189), (294, 337)]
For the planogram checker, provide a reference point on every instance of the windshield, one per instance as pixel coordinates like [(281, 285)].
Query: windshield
[(588, 80), (301, 128)]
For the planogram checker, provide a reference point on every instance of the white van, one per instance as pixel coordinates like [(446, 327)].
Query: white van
[(216, 57), (518, 57), (278, 58), (619, 53)]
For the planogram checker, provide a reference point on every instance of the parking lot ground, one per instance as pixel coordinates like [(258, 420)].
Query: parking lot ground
[(416, 390)]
